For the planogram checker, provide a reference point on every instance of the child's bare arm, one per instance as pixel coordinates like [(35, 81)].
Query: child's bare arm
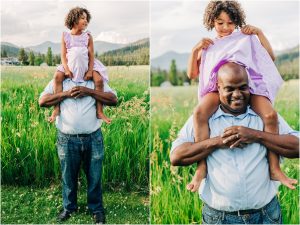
[(195, 57), (64, 60), (89, 73), (248, 29)]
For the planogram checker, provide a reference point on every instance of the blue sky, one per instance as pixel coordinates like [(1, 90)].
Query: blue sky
[(177, 25)]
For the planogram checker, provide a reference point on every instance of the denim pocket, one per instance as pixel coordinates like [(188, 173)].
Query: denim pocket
[(210, 216), (97, 137), (273, 211), (62, 139), (62, 145), (97, 151)]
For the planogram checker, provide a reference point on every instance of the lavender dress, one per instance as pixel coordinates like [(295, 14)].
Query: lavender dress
[(264, 78), (78, 58)]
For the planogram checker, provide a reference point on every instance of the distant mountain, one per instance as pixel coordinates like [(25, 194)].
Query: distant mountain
[(143, 43), (136, 53), (43, 47), (164, 61), (10, 49), (287, 61), (102, 46), (99, 47), (9, 44)]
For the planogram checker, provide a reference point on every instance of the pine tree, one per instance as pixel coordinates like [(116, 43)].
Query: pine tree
[(173, 73), (49, 59), (38, 60), (3, 53), (31, 58), (23, 57)]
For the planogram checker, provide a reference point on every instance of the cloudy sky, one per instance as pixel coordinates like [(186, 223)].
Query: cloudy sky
[(177, 25), (27, 23)]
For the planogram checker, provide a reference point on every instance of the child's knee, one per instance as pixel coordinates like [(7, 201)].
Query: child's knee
[(97, 78), (270, 118), (59, 77), (200, 113)]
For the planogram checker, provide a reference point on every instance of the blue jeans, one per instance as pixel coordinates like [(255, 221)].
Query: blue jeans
[(269, 214), (72, 150)]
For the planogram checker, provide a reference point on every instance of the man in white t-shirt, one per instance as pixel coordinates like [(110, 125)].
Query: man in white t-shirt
[(79, 139)]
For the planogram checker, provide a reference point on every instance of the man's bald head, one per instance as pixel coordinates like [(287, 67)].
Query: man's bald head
[(233, 88), (231, 69)]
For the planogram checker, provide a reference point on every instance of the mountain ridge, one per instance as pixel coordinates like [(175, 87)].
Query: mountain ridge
[(99, 47)]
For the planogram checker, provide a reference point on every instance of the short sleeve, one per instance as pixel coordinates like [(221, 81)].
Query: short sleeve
[(67, 38), (284, 128), (48, 89), (186, 134)]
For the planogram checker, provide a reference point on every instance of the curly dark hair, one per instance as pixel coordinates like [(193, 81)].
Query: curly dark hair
[(232, 8), (74, 15)]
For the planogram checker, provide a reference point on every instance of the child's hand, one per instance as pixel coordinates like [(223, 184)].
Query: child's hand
[(203, 44), (69, 74), (248, 29), (88, 75)]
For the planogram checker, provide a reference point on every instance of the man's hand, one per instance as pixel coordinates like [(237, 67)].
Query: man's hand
[(88, 75), (238, 136), (248, 29), (79, 92)]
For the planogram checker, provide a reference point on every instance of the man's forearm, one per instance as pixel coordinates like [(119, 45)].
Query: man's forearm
[(49, 100), (284, 145), (106, 98), (189, 153)]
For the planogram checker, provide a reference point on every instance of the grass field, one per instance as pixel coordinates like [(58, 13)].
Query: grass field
[(170, 201), (27, 205), (28, 153)]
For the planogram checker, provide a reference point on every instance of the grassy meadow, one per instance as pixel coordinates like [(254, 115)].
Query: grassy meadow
[(28, 152), (171, 203)]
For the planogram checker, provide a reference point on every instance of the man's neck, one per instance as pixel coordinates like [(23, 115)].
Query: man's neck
[(232, 112)]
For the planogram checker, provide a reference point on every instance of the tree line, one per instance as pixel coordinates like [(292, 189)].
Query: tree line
[(33, 59), (174, 76), (130, 55), (287, 65)]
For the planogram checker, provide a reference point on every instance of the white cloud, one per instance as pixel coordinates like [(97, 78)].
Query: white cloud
[(26, 23), (182, 20), (113, 37)]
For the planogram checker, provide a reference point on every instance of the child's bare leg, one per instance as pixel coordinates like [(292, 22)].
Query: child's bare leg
[(207, 106), (57, 86), (98, 80), (263, 107)]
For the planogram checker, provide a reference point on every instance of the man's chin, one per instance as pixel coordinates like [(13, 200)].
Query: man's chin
[(238, 110)]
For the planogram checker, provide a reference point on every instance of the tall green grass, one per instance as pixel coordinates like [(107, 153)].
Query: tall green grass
[(171, 203), (28, 151)]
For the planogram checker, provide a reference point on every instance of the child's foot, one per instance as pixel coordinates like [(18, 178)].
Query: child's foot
[(100, 115), (194, 185), (52, 118), (286, 181)]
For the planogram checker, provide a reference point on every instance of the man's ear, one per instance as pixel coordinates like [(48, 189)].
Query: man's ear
[(218, 86)]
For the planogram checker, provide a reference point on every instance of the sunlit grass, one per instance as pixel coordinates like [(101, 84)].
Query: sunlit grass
[(28, 142)]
